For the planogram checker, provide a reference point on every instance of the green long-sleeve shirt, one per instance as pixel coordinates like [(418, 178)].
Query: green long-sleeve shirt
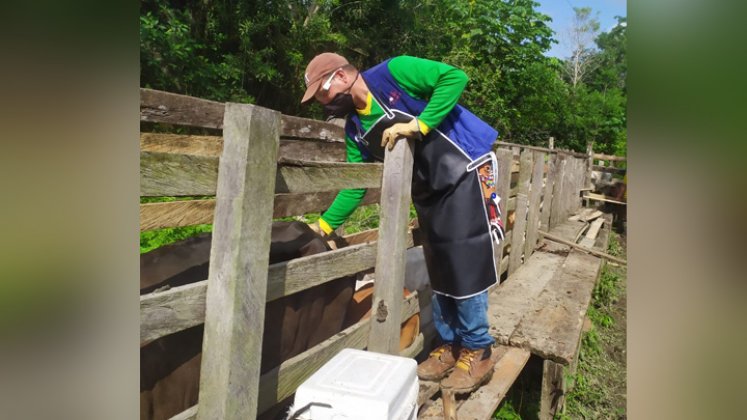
[(438, 83)]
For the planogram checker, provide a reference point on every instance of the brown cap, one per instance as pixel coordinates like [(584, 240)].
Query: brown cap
[(318, 67)]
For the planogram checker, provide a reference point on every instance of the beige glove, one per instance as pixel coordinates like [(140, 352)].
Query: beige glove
[(330, 238), (410, 130)]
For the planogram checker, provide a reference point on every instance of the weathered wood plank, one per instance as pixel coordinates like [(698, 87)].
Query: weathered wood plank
[(305, 128), (167, 174), (541, 149), (610, 157), (308, 150), (239, 261), (298, 204), (302, 273), (516, 296), (548, 197), (591, 235), (503, 185), (533, 211), (328, 177), (482, 403), (390, 257), (558, 193), (568, 230), (176, 309), (584, 249), (589, 163), (176, 213), (181, 144), (552, 329), (600, 197), (312, 151), (552, 389), (520, 224), (579, 184), (427, 389), (171, 108)]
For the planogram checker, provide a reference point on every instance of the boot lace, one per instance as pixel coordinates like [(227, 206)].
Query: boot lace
[(438, 351), (465, 359)]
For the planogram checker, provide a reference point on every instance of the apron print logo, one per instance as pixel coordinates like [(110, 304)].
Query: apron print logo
[(394, 97)]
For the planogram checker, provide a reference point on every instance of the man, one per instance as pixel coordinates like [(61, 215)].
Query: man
[(408, 97)]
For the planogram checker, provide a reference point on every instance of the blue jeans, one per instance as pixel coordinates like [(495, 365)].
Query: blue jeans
[(463, 321)]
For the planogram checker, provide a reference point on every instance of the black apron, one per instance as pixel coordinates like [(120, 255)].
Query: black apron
[(452, 212)]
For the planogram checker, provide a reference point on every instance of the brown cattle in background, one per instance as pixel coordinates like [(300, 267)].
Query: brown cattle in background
[(170, 365)]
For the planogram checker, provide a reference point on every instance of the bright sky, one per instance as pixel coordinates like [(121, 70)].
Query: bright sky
[(561, 12)]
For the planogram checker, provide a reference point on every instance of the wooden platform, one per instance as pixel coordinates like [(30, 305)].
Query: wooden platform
[(539, 309)]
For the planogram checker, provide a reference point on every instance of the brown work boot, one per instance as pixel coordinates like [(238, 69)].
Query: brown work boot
[(472, 369), (439, 363)]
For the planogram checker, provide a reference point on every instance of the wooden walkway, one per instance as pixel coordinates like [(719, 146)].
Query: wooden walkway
[(540, 309)]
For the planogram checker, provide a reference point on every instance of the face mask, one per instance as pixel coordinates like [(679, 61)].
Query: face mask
[(341, 105)]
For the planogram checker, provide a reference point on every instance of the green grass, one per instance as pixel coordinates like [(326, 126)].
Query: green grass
[(599, 386)]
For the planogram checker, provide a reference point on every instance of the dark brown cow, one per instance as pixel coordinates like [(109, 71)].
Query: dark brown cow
[(170, 366)]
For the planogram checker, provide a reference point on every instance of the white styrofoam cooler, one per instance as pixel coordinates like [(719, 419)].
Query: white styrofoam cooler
[(361, 385)]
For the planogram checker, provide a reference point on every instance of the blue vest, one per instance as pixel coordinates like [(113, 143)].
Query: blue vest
[(471, 134)]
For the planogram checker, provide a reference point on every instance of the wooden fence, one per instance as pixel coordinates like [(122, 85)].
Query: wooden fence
[(267, 165)]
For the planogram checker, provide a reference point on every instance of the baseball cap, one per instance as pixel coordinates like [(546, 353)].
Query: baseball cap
[(318, 67)]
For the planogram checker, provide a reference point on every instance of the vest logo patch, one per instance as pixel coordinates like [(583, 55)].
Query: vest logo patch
[(394, 97)]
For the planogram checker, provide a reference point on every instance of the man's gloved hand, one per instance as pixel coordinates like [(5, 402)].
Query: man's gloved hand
[(331, 238), (410, 130)]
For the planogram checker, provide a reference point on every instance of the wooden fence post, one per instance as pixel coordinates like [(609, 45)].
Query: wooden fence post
[(533, 215), (589, 163), (503, 188), (520, 223), (239, 260), (391, 246), (547, 196), (558, 192)]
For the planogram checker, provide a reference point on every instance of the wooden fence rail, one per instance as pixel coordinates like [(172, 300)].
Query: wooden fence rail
[(269, 165)]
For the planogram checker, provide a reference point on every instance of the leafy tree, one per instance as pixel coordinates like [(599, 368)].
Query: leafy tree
[(256, 51), (582, 33)]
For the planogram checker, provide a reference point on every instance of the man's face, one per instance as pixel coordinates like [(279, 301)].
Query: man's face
[(338, 83)]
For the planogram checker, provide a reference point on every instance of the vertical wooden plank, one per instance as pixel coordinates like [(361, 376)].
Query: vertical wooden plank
[(503, 186), (390, 254), (449, 400), (580, 182), (547, 196), (239, 260), (589, 163), (552, 389), (520, 224), (533, 212), (557, 193), (551, 143)]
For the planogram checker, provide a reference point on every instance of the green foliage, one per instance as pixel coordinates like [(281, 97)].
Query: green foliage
[(506, 411), (152, 239), (593, 393), (256, 52)]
